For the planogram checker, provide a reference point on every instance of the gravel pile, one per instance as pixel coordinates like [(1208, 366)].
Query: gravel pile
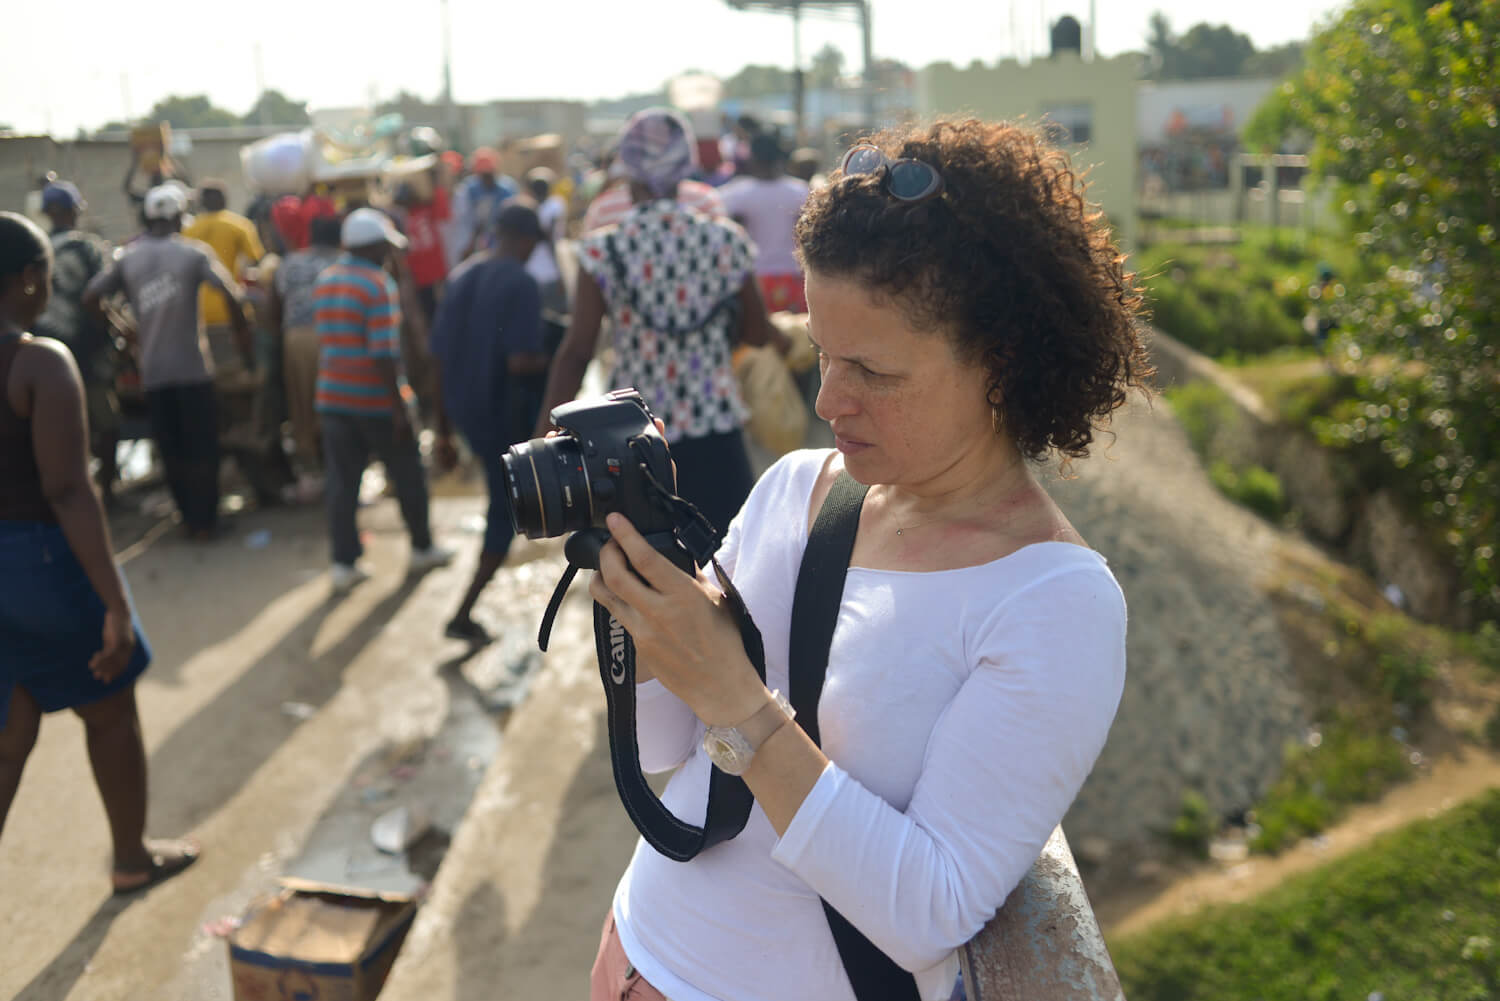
[(1210, 697)]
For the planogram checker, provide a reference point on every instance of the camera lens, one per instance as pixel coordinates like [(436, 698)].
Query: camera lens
[(549, 487)]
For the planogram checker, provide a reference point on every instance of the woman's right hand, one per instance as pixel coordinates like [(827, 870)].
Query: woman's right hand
[(118, 643)]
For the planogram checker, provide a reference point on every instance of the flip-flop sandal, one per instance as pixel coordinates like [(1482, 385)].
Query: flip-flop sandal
[(168, 858)]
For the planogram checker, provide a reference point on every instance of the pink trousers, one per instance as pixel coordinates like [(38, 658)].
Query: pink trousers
[(614, 979)]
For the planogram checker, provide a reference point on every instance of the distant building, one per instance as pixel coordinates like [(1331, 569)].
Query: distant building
[(1188, 132), (1089, 106), (488, 124)]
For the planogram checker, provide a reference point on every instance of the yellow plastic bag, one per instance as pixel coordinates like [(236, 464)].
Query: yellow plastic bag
[(778, 415)]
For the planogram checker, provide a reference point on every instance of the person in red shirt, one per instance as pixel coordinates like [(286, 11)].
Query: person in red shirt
[(423, 220)]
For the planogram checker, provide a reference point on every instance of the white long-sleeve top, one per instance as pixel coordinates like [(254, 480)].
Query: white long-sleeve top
[(961, 712)]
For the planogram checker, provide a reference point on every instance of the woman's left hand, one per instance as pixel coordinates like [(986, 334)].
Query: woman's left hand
[(681, 625)]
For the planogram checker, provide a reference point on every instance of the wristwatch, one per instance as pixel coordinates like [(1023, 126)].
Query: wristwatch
[(730, 748)]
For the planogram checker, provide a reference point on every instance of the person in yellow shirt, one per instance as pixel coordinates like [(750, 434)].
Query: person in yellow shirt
[(236, 244)]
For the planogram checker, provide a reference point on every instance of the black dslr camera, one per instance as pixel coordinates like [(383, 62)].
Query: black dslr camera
[(610, 457)]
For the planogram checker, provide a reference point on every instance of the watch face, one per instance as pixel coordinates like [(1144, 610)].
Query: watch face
[(727, 749)]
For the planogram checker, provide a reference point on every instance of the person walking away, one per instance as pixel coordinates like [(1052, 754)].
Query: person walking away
[(236, 242), (159, 275), (423, 219), (679, 288), (77, 257), (552, 216), (361, 395), (69, 636), (767, 201), (614, 203), (479, 198), (293, 320), (489, 334)]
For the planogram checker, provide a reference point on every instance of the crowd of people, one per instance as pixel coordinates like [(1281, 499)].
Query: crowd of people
[(970, 315)]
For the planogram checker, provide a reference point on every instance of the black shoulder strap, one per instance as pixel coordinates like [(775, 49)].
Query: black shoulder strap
[(815, 611)]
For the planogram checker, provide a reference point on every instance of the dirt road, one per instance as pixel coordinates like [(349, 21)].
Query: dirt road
[(264, 699)]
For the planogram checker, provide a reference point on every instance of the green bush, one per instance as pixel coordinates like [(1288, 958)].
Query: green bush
[(1194, 826), (1492, 730), (1243, 301), (1399, 99), (1254, 486), (1348, 764), (1412, 915), (1202, 409), (1402, 669)]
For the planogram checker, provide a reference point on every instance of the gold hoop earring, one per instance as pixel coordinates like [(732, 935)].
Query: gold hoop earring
[(30, 289)]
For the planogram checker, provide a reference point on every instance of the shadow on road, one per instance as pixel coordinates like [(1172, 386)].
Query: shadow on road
[(225, 743), (211, 756), (552, 953), (57, 978)]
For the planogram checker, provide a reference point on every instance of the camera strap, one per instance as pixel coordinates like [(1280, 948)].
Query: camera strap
[(815, 612), (729, 799)]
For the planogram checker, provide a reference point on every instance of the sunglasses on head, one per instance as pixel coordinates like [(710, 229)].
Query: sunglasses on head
[(906, 180)]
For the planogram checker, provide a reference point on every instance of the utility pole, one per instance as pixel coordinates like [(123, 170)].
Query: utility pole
[(260, 87), (449, 124), (868, 73), (861, 10), (799, 81)]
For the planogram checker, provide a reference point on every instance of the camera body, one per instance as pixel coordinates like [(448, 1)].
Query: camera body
[(598, 464)]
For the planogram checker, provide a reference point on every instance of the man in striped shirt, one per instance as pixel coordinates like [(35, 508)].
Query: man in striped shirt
[(361, 396)]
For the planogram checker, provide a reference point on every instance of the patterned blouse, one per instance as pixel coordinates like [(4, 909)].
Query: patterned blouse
[(671, 279)]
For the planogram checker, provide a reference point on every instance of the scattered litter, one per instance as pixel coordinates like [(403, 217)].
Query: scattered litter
[(1228, 850), (1415, 757), (157, 504), (299, 710), (1395, 595), (374, 794), (395, 830), (259, 539), (221, 927), (1398, 733)]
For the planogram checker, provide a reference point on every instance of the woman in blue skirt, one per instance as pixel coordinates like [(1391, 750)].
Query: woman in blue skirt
[(68, 638)]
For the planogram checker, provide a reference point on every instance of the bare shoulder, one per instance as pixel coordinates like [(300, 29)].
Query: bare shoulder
[(46, 357), (42, 365)]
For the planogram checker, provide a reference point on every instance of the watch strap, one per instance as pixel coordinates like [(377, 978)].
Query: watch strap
[(766, 720)]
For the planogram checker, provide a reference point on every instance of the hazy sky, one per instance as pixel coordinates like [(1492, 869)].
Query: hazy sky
[(112, 59)]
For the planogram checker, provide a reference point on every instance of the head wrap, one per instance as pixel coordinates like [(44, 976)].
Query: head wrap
[(286, 216), (657, 148)]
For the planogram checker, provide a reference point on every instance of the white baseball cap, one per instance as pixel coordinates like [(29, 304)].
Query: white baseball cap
[(165, 201), (365, 227)]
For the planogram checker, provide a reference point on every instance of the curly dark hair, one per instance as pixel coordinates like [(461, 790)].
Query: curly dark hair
[(1009, 261)]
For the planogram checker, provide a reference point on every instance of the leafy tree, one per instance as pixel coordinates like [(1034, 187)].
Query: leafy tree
[(827, 67), (405, 103), (275, 108), (1400, 100), (1205, 51), (1278, 61), (758, 81), (195, 112)]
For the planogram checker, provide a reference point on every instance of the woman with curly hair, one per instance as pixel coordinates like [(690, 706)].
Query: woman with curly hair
[(971, 315)]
